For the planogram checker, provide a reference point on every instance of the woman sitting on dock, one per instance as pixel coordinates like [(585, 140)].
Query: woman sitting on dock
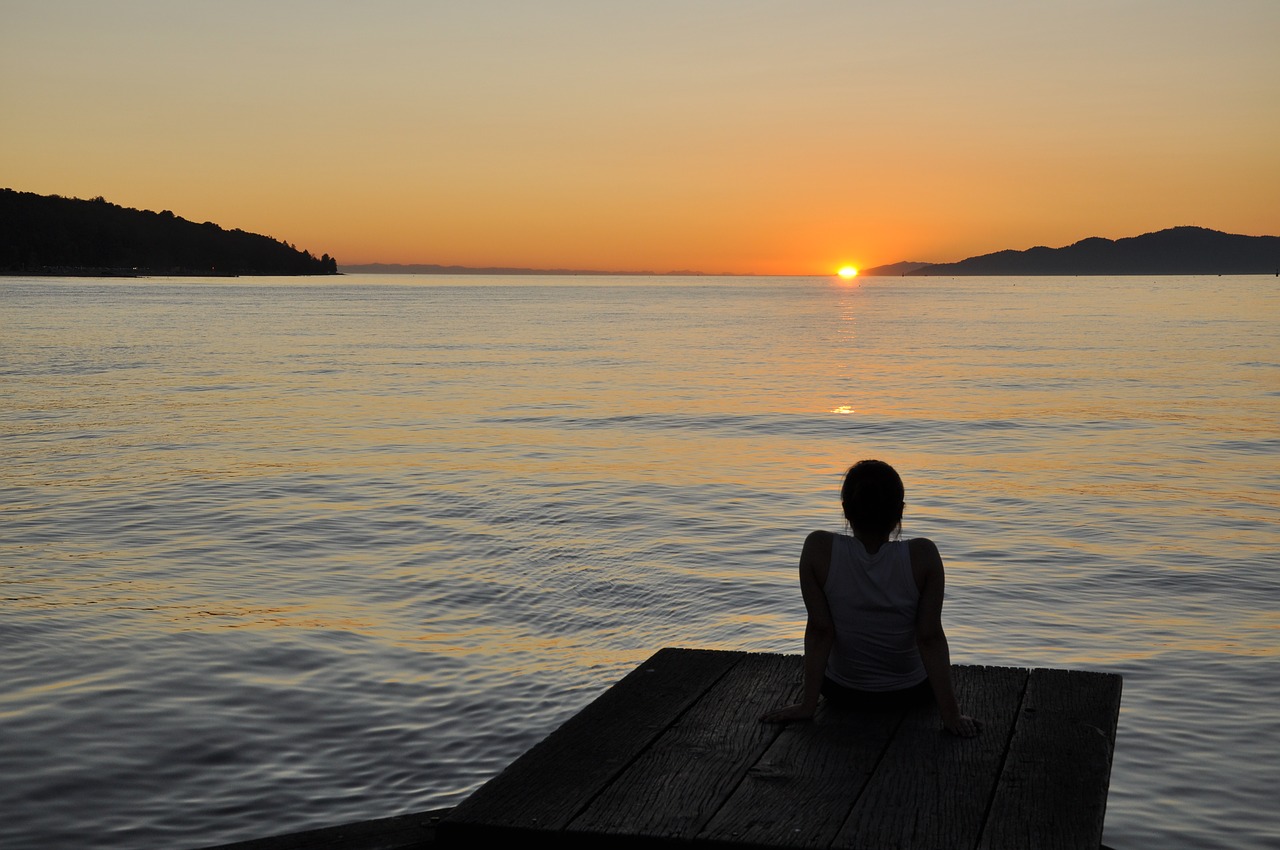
[(874, 639)]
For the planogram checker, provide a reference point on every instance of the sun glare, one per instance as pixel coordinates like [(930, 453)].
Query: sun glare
[(848, 272)]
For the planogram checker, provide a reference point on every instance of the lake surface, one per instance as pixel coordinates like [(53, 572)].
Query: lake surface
[(287, 553)]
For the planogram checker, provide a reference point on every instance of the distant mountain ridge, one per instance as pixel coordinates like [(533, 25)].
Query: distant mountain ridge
[(893, 269), (1177, 250), (49, 234)]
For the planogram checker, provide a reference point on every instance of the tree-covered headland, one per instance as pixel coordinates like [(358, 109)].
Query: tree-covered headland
[(49, 234)]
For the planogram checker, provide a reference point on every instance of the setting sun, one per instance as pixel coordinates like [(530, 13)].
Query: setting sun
[(848, 272)]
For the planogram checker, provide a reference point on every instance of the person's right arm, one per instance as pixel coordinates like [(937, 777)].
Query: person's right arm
[(926, 565)]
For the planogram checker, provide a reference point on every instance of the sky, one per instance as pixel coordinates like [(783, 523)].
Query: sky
[(727, 137)]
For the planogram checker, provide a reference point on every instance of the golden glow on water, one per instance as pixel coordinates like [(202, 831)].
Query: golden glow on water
[(335, 616), (501, 496)]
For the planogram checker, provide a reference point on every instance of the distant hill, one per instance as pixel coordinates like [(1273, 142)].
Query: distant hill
[(49, 234), (1178, 250), (893, 269)]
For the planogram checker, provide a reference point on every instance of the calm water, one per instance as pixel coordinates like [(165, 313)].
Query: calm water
[(284, 554)]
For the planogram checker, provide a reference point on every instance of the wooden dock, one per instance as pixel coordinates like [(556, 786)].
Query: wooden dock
[(675, 754)]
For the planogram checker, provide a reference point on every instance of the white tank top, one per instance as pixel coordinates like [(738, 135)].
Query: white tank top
[(873, 601)]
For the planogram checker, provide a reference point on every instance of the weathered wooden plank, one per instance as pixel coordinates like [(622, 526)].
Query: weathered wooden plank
[(931, 790), (684, 777), (675, 753), (1052, 792), (547, 786), (800, 792)]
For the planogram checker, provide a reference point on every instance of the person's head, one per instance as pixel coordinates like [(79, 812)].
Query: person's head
[(872, 498)]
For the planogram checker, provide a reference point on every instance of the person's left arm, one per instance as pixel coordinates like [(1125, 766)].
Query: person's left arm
[(819, 631)]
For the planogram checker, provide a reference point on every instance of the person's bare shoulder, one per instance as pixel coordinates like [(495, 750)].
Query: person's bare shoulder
[(818, 544), (816, 557), (926, 562), (819, 538), (924, 549)]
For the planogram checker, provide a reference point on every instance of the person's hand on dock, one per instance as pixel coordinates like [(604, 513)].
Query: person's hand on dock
[(791, 713), (963, 726)]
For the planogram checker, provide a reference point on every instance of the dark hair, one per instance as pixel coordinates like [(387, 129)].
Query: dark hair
[(872, 497)]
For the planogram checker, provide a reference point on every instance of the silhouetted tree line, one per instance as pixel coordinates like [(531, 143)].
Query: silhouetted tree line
[(49, 234)]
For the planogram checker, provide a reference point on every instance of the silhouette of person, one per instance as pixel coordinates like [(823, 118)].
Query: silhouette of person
[(874, 637)]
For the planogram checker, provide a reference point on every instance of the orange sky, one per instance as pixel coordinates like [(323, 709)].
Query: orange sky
[(746, 137)]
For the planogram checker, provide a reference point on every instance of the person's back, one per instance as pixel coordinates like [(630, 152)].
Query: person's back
[(873, 600), (874, 637)]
